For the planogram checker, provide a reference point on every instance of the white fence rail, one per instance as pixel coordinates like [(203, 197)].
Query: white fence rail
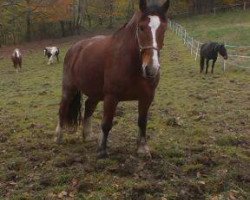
[(243, 6), (239, 56)]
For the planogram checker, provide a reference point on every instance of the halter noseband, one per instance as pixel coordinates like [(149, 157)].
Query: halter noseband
[(144, 47)]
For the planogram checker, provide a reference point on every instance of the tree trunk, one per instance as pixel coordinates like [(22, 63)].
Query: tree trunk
[(79, 18), (62, 23), (28, 21), (28, 24), (111, 13), (130, 9), (200, 7)]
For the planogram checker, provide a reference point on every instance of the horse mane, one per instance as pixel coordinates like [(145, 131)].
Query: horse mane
[(131, 25), (153, 9)]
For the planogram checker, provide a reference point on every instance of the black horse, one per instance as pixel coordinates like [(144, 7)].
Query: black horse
[(209, 51)]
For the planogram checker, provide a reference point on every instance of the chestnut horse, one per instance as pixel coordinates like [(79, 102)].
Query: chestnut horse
[(120, 67)]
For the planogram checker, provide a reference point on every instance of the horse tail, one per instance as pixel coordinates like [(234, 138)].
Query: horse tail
[(71, 103), (70, 108)]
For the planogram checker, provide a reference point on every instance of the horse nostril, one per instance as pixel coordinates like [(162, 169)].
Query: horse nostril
[(150, 71)]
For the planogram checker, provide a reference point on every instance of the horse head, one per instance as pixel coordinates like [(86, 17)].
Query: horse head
[(223, 51), (150, 33)]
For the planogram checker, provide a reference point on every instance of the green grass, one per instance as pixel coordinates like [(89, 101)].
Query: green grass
[(194, 158), (232, 27)]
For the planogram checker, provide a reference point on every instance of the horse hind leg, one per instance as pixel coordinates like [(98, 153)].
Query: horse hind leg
[(69, 112), (20, 66), (202, 62), (207, 66), (212, 71), (90, 106), (16, 68)]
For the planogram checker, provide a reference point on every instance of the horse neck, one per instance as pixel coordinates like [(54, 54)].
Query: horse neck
[(126, 39)]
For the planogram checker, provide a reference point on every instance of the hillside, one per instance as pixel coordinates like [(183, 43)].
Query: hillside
[(232, 27)]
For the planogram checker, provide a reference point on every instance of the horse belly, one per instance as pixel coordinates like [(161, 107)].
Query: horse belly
[(91, 75)]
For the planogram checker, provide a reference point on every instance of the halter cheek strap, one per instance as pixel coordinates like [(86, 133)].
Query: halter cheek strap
[(144, 47)]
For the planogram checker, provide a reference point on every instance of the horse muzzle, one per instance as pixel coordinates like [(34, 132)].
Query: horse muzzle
[(150, 72), (225, 57)]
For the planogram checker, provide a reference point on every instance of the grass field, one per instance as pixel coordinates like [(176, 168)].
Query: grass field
[(199, 134), (232, 27)]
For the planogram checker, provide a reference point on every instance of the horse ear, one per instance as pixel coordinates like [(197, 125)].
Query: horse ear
[(143, 5), (165, 6)]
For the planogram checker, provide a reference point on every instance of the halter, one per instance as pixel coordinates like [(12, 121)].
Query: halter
[(144, 47)]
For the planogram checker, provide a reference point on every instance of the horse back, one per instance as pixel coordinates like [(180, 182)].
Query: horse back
[(85, 63), (208, 50)]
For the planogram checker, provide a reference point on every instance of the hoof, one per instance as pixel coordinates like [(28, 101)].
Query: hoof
[(143, 151), (102, 154)]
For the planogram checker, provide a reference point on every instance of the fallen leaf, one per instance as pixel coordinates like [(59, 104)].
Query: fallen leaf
[(232, 196), (74, 182), (62, 194), (72, 194)]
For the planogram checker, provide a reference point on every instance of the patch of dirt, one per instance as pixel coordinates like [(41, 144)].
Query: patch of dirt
[(190, 190), (69, 160), (36, 46), (145, 191)]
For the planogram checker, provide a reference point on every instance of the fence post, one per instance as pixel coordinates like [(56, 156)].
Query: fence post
[(185, 36), (224, 65), (192, 43), (245, 5), (197, 51), (214, 11)]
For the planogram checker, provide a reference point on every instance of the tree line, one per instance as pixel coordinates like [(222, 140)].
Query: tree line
[(26, 20)]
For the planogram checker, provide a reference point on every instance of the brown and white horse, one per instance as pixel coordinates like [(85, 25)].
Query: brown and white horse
[(121, 67), (51, 53), (16, 58)]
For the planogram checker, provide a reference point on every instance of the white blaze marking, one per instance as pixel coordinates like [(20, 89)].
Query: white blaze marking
[(18, 54), (53, 51), (154, 25)]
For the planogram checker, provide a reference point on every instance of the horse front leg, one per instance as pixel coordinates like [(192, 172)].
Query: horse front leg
[(212, 71), (207, 66), (51, 60), (143, 149), (110, 104)]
